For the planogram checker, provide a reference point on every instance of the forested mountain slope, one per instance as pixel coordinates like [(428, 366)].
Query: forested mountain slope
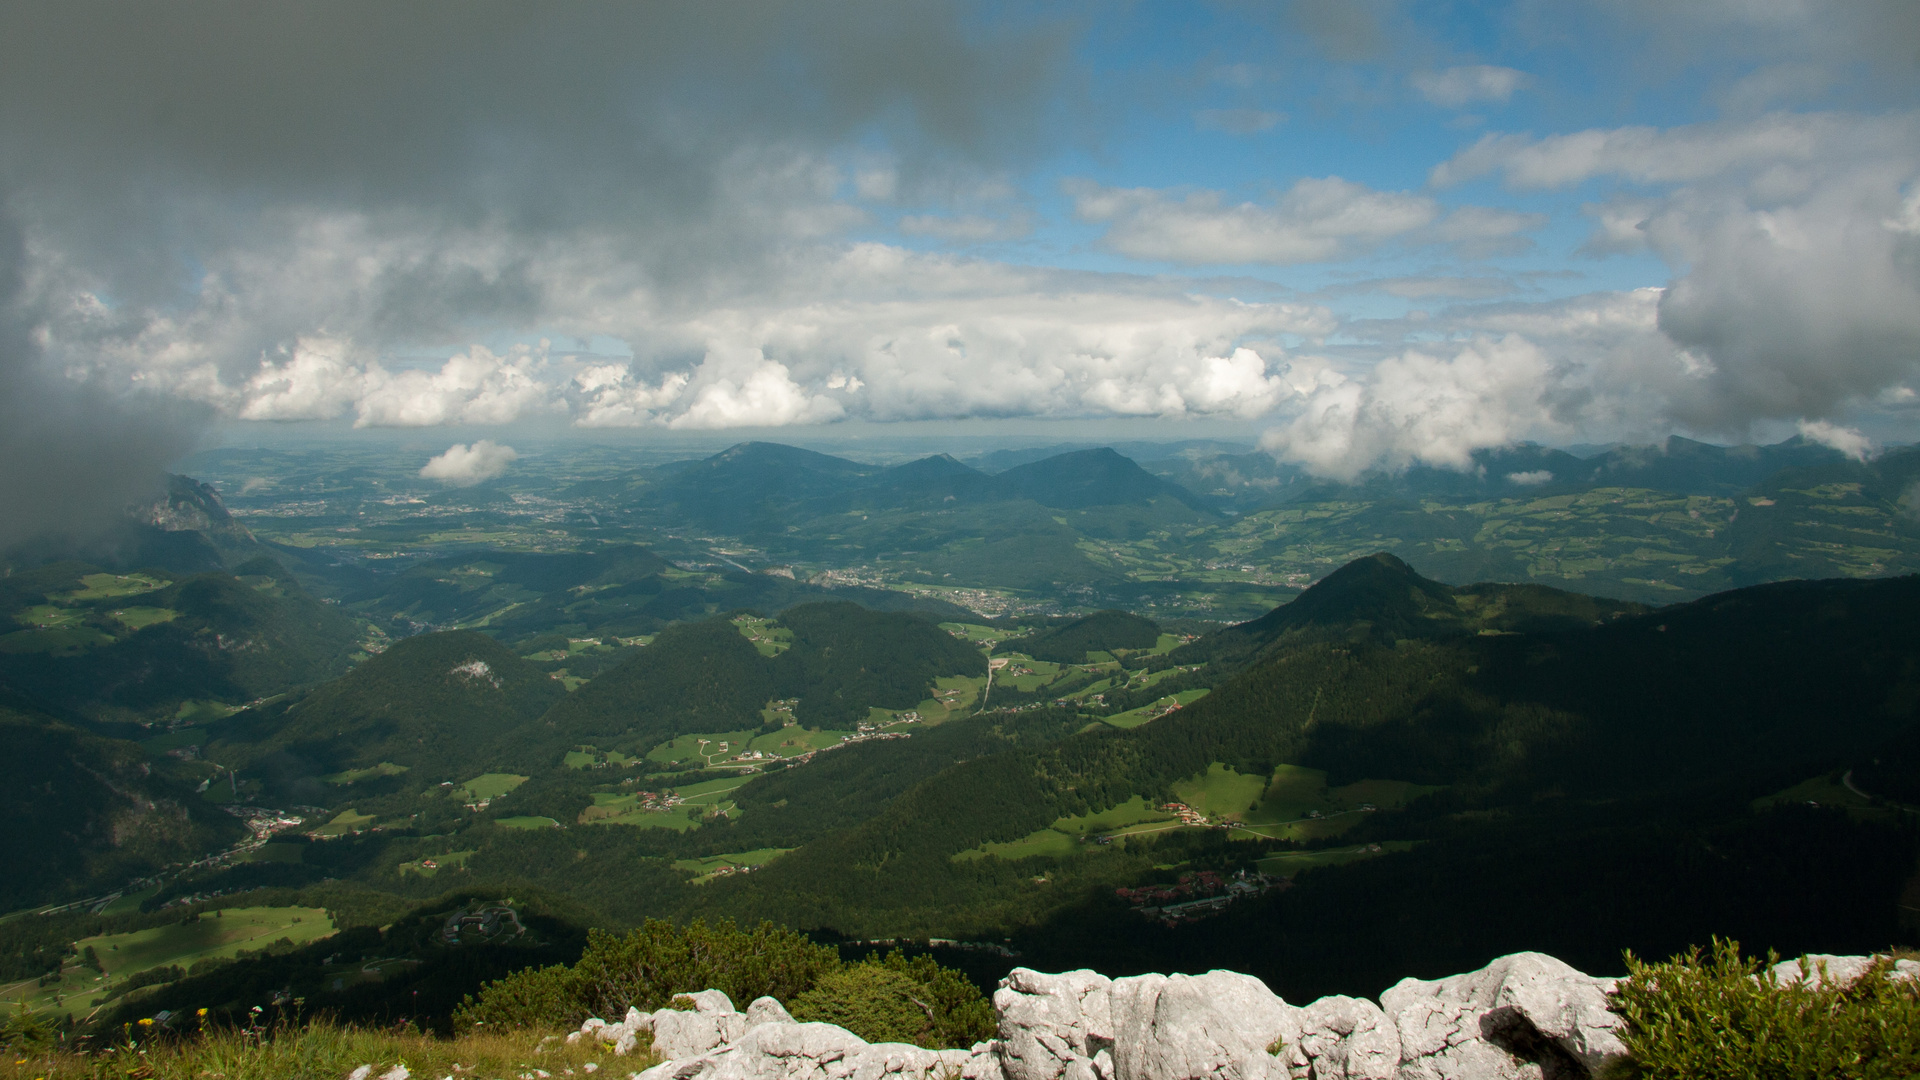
[(135, 646), (1725, 700), (80, 809), (446, 704)]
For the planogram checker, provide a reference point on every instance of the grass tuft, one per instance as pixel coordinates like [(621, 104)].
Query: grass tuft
[(322, 1050)]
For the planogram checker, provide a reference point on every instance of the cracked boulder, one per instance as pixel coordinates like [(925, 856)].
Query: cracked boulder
[(1054, 1026), (1343, 1038), (1526, 1016), (687, 1033)]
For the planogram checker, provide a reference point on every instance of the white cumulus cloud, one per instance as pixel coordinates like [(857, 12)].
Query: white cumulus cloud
[(1419, 408), (464, 465), (321, 378)]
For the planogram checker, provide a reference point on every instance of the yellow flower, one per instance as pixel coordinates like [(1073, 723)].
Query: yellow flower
[(146, 1021), (200, 1012)]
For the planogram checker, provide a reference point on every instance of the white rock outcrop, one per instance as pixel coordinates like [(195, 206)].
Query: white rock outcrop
[(1526, 1016)]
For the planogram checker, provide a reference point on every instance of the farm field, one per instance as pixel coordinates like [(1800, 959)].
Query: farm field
[(1133, 718), (214, 935), (716, 748), (1251, 805), (1298, 804), (988, 636), (371, 772), (617, 808), (1065, 836), (114, 586), (451, 860), (695, 801), (1221, 793), (139, 618), (345, 822), (716, 866), (1830, 791), (526, 823), (767, 635), (1289, 863), (488, 786), (588, 757)]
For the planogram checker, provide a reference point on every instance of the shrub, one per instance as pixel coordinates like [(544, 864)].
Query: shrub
[(536, 998), (900, 1000), (648, 966), (1723, 1015)]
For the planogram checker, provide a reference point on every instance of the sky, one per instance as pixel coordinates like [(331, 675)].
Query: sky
[(1364, 234)]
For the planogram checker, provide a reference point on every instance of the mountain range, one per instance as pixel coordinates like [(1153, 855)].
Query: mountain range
[(693, 729)]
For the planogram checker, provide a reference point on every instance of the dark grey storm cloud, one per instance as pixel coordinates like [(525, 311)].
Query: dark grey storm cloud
[(158, 158), (72, 457)]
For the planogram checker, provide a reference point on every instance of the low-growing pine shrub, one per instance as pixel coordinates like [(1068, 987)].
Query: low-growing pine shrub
[(881, 1000), (647, 967), (900, 1000), (1722, 1015)]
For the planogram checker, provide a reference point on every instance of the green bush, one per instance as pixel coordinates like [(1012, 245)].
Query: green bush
[(900, 1000), (648, 966), (1722, 1015), (536, 998)]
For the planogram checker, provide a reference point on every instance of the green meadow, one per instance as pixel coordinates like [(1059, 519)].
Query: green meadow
[(113, 586), (526, 823), (713, 866), (768, 636), (1289, 863), (1133, 718), (488, 786), (1065, 836), (346, 821), (371, 772), (212, 936)]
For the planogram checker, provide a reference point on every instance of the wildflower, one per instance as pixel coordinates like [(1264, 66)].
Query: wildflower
[(146, 1021), (202, 1011)]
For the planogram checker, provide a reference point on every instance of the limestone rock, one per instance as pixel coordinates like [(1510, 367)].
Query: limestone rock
[(1840, 970), (1051, 1026), (788, 1051), (711, 1023), (1215, 1026), (983, 1063), (765, 1010), (1527, 1016), (1343, 1038), (708, 1001)]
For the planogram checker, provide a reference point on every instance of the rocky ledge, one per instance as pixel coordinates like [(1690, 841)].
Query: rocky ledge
[(1523, 1017)]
